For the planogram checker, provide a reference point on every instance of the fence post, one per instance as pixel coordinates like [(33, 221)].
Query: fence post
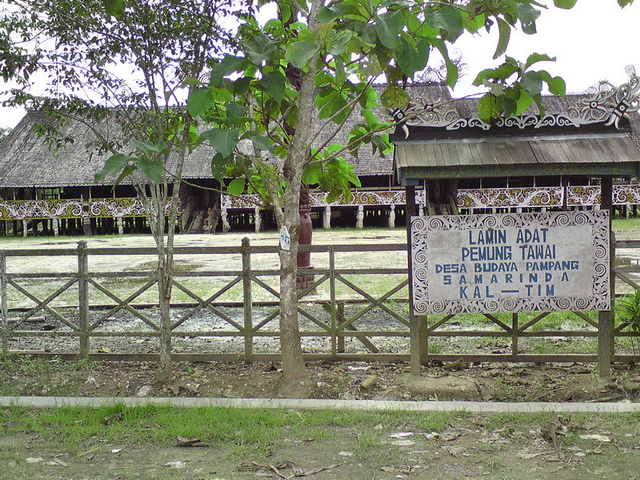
[(83, 297), (418, 338), (514, 336), (606, 318), (337, 343), (247, 300), (3, 292)]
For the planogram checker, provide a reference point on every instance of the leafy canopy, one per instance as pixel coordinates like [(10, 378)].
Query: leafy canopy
[(253, 95)]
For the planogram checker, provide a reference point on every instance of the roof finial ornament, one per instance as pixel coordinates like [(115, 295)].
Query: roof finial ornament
[(627, 98), (607, 105)]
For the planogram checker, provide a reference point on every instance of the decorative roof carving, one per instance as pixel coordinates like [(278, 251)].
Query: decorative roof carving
[(607, 105)]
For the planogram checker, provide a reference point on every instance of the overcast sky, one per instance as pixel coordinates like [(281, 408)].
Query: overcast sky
[(594, 41)]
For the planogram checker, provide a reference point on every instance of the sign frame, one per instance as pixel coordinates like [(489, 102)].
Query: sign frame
[(433, 237)]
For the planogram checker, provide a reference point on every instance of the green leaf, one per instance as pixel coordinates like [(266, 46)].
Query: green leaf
[(114, 8), (150, 148), (504, 33), (557, 85), (509, 106), (327, 15), (532, 83), (301, 53), (228, 65), (412, 60), (394, 97), (261, 49), (388, 28), (488, 108), (275, 84), (241, 85), (624, 3), (235, 112), (538, 100), (153, 169), (537, 57), (260, 141), (475, 23), (236, 186), (114, 164), (448, 19), (452, 69), (566, 4), (528, 15), (218, 166), (224, 141), (200, 101), (524, 102), (312, 174), (128, 170)]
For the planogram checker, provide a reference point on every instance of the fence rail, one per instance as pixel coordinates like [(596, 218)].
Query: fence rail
[(101, 302)]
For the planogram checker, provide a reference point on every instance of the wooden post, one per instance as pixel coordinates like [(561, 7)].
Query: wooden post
[(417, 335), (247, 300), (337, 342), (5, 312), (83, 297), (606, 318)]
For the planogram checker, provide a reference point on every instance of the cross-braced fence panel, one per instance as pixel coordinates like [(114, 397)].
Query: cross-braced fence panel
[(226, 305)]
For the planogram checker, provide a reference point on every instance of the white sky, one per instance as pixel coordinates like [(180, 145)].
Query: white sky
[(594, 41)]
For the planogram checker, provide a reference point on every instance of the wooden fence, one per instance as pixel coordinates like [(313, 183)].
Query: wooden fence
[(77, 303)]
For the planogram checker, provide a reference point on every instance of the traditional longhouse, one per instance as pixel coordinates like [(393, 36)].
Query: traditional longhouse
[(45, 190)]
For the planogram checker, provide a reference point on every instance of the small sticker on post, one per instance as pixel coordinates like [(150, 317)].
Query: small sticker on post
[(285, 239)]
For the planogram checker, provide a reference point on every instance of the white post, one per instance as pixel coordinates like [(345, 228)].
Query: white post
[(257, 219), (225, 220), (360, 217), (326, 221), (392, 216)]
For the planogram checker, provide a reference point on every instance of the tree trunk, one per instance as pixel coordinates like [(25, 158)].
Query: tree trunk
[(165, 367), (295, 381)]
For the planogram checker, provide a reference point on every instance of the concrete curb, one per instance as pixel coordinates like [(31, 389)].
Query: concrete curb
[(372, 405)]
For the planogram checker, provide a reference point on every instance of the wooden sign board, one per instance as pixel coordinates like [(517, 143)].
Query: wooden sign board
[(511, 262)]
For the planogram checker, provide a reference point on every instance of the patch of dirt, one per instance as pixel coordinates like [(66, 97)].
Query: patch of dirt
[(355, 380)]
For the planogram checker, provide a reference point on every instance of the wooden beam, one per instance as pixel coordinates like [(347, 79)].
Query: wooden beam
[(606, 318)]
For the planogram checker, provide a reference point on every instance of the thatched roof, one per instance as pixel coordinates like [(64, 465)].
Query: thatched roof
[(27, 161)]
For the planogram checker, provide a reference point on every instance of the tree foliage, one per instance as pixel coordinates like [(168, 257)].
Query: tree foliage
[(128, 63)]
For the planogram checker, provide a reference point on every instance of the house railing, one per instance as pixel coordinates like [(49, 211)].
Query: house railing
[(75, 302)]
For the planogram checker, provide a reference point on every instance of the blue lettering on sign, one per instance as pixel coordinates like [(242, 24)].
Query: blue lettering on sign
[(495, 267), (535, 235), (487, 237), (451, 268), (538, 252), (479, 254)]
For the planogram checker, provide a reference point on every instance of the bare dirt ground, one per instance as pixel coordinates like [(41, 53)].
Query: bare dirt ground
[(471, 448), (377, 381)]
